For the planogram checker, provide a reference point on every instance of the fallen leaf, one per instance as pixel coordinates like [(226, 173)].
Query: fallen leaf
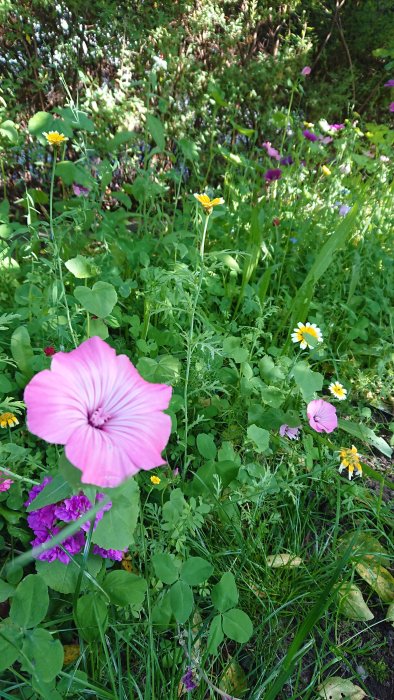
[(277, 560), (378, 578), (352, 603), (337, 688), (390, 613), (71, 653), (233, 680)]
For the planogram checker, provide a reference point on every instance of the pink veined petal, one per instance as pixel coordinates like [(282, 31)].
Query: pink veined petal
[(131, 391), (102, 461), (53, 411), (142, 437)]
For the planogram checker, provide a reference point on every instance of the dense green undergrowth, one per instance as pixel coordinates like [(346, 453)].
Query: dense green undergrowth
[(251, 567)]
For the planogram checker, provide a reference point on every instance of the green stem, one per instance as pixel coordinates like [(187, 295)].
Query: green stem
[(190, 338), (4, 178), (52, 235)]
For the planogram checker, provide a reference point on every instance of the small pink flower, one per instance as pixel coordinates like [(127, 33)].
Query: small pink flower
[(109, 418), (391, 108), (271, 152), (306, 70), (291, 433), (5, 484), (322, 416)]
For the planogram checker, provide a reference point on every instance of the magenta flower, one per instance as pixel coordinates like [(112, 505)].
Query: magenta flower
[(273, 174), (391, 107), (336, 127), (291, 433), (80, 190), (390, 83), (188, 680), (322, 416), (115, 554), (310, 135), (109, 418), (286, 160), (5, 482), (306, 70), (271, 152)]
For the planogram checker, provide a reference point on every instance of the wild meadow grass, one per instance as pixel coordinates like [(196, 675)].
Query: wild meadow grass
[(244, 564)]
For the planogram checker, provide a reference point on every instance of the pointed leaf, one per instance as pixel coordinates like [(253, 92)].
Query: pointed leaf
[(352, 604)]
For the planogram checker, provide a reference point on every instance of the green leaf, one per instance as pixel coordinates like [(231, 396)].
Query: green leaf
[(8, 130), (196, 570), (237, 625), (98, 327), (100, 300), (22, 351), (352, 604), (225, 594), (260, 438), (272, 396), (91, 615), (40, 122), (307, 381), (181, 599), (30, 602), (6, 590), (165, 568), (64, 577), (124, 588), (55, 491), (67, 171), (232, 348), (81, 267), (215, 635), (116, 528), (156, 130), (10, 643), (206, 446), (76, 118), (365, 434), (189, 149), (70, 473), (45, 654)]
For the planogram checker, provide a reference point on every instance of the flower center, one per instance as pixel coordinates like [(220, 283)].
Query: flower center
[(308, 330), (98, 418)]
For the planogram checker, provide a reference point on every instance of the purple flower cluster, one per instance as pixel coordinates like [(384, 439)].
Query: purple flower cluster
[(188, 680), (273, 174), (48, 521)]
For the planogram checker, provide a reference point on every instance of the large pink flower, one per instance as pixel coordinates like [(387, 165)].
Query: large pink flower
[(322, 416), (97, 405)]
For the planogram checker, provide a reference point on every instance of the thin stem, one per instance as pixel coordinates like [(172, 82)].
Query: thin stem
[(191, 334), (52, 235)]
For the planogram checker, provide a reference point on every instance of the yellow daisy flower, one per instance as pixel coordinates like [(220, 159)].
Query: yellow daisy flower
[(208, 203), (8, 420), (155, 480), (54, 138), (305, 333), (326, 171), (338, 390), (350, 460)]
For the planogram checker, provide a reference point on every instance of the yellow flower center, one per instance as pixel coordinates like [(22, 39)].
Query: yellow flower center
[(304, 332), (8, 420)]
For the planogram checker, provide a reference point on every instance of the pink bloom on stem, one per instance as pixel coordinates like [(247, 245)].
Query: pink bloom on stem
[(391, 108), (109, 418), (5, 483), (390, 83), (322, 416), (271, 152), (306, 70), (291, 433)]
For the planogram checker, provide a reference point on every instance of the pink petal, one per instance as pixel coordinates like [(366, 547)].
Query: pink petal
[(54, 409)]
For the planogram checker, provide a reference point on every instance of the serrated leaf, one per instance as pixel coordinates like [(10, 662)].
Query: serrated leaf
[(337, 688), (352, 604)]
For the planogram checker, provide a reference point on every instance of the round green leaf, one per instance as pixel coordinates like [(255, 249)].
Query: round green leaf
[(181, 599), (100, 300), (165, 568), (124, 588), (30, 602), (45, 654), (206, 446), (63, 577), (91, 614), (196, 570), (81, 267), (237, 625), (39, 122), (225, 594), (10, 644)]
